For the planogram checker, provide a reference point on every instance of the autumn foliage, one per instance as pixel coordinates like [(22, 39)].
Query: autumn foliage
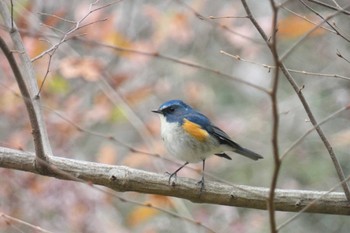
[(103, 67)]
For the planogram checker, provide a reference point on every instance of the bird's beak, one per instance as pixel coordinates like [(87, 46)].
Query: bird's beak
[(157, 111)]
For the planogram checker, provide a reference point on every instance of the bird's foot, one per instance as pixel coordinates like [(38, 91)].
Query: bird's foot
[(202, 185), (171, 175)]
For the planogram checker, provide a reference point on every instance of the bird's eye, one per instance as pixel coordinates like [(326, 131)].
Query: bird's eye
[(171, 109)]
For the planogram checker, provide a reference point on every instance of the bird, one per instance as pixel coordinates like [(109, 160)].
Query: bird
[(191, 137)]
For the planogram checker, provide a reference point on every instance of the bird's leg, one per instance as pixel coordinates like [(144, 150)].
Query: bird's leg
[(175, 172), (201, 182)]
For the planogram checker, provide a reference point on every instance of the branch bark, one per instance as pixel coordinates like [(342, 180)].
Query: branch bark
[(275, 117), (125, 179), (28, 86)]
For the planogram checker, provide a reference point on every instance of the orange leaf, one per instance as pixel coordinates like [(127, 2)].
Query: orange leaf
[(34, 46), (341, 139), (87, 68), (142, 214), (107, 154), (139, 94), (294, 26)]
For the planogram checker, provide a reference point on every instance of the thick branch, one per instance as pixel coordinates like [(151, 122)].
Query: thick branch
[(27, 85), (123, 179)]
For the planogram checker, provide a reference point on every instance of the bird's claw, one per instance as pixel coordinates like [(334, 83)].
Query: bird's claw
[(201, 183), (171, 175)]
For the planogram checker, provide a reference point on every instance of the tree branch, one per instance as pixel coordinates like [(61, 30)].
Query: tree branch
[(303, 101), (124, 179), (275, 117), (329, 6), (28, 87)]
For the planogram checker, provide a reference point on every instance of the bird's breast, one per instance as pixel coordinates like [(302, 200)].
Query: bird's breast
[(185, 142)]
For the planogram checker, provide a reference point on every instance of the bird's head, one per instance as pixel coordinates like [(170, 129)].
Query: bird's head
[(173, 110)]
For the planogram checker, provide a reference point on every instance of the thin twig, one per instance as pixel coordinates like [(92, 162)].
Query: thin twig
[(342, 57), (12, 219), (306, 19), (312, 129), (269, 67), (329, 24), (323, 137), (227, 17), (172, 59), (12, 20), (306, 35), (216, 24), (308, 206), (306, 106), (101, 135), (275, 118), (78, 25), (329, 6), (57, 17)]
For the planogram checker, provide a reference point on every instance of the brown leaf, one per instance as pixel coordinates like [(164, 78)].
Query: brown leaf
[(141, 214), (87, 68), (294, 26), (107, 154), (139, 94)]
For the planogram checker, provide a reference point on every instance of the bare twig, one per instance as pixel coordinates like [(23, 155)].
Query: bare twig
[(12, 22), (323, 137), (312, 129), (216, 24), (304, 37), (275, 117), (12, 219), (57, 17), (303, 210), (306, 19), (306, 106), (271, 43), (308, 73), (329, 6), (227, 17), (342, 57), (78, 25), (329, 24), (182, 62)]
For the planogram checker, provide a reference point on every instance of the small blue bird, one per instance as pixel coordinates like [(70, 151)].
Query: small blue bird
[(191, 137)]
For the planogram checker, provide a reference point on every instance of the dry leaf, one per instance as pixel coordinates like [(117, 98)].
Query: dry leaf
[(294, 26), (107, 154), (139, 94), (87, 68), (34, 47), (341, 139), (141, 214)]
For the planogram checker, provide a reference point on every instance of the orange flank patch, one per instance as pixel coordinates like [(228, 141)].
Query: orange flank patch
[(195, 130)]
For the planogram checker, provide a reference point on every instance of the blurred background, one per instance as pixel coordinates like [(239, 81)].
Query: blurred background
[(124, 59)]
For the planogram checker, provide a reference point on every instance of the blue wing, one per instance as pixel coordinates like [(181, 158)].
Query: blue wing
[(198, 119), (221, 136), (226, 140)]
